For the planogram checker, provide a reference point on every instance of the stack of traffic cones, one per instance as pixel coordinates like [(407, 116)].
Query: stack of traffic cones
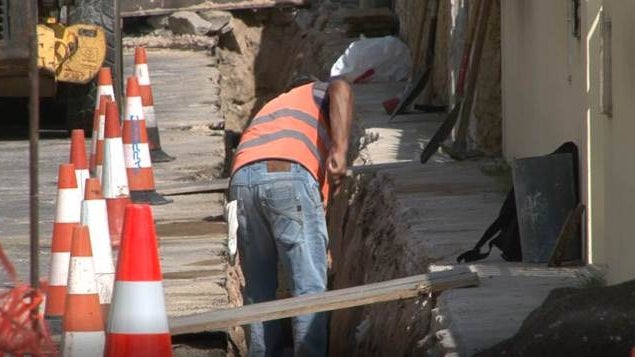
[(114, 179), (137, 151), (142, 73), (78, 158), (67, 216), (138, 323), (94, 216), (97, 156), (104, 87), (83, 322)]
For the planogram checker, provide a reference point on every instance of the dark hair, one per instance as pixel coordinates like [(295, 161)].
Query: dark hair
[(301, 79)]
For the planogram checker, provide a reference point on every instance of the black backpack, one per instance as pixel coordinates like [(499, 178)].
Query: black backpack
[(503, 232)]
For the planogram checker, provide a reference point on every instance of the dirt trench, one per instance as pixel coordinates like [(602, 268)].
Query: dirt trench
[(258, 60), (370, 247)]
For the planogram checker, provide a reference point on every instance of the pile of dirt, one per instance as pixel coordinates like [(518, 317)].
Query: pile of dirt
[(597, 321)]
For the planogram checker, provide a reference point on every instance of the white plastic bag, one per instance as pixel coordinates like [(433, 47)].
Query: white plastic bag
[(231, 216), (381, 59)]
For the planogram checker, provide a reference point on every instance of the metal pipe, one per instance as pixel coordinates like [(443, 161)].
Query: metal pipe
[(34, 120)]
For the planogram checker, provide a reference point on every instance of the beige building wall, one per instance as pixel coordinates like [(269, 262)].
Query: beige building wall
[(551, 94)]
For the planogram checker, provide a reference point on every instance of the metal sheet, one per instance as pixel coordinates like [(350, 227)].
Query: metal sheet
[(153, 7), (544, 191), (15, 30)]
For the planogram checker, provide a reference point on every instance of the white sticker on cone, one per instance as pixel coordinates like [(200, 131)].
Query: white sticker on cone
[(95, 216), (68, 207), (138, 307), (81, 278), (134, 109), (104, 90), (151, 120), (142, 72), (137, 156), (58, 275), (84, 343), (114, 177), (102, 126)]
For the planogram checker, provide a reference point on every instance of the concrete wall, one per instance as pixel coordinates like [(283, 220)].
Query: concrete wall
[(551, 94)]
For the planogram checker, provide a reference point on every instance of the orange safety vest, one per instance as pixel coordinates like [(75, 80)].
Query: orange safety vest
[(290, 127)]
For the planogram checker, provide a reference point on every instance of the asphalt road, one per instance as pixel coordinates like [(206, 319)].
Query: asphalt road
[(190, 230)]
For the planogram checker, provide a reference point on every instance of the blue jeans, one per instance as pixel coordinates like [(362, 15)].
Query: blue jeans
[(280, 216)]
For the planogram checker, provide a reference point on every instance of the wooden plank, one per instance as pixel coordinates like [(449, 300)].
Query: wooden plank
[(153, 7), (217, 185), (396, 289)]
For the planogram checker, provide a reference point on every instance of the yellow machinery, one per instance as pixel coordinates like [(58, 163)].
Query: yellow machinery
[(71, 54)]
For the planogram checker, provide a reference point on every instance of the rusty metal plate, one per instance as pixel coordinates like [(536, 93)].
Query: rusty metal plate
[(161, 7)]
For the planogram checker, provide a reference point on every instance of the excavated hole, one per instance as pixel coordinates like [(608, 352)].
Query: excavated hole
[(190, 228)]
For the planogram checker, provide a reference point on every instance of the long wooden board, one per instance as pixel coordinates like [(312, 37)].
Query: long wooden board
[(163, 7), (396, 289), (217, 185)]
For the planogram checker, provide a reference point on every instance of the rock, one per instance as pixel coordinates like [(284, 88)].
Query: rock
[(158, 22), (283, 17), (220, 21), (188, 23), (305, 19)]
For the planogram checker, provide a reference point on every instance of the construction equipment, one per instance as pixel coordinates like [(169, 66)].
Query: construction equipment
[(75, 38), (463, 106)]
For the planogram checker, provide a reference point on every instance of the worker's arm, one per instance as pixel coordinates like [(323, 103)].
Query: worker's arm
[(341, 117)]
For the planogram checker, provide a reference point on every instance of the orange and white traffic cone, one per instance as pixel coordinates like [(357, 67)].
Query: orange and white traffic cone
[(83, 321), (95, 216), (78, 158), (67, 215), (138, 322), (104, 87), (137, 151), (97, 154), (114, 178), (142, 72)]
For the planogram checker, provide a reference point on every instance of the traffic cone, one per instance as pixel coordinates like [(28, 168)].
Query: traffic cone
[(138, 323), (78, 158), (142, 72), (95, 216), (83, 321), (67, 215), (104, 87), (114, 179), (97, 150), (137, 151)]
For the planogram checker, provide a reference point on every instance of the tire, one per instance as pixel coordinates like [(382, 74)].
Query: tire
[(80, 98)]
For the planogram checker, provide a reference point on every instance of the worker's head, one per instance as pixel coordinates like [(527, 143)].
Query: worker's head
[(300, 80)]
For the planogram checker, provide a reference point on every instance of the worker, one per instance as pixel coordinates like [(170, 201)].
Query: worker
[(290, 158)]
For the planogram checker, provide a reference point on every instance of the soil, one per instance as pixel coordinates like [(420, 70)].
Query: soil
[(596, 321), (372, 235)]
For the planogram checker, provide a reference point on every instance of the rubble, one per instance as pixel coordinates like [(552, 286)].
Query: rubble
[(158, 22), (219, 20), (189, 23), (191, 42)]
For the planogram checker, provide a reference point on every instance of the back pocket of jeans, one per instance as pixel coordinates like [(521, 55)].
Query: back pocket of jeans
[(285, 212)]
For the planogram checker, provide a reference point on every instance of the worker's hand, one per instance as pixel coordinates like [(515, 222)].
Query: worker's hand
[(336, 167)]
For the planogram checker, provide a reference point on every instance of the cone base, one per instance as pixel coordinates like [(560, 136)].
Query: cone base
[(55, 324), (158, 155), (149, 197)]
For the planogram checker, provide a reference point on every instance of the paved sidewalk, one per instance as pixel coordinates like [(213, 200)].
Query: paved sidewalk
[(446, 206)]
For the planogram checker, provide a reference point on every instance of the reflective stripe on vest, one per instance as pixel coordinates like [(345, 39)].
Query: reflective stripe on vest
[(290, 127)]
